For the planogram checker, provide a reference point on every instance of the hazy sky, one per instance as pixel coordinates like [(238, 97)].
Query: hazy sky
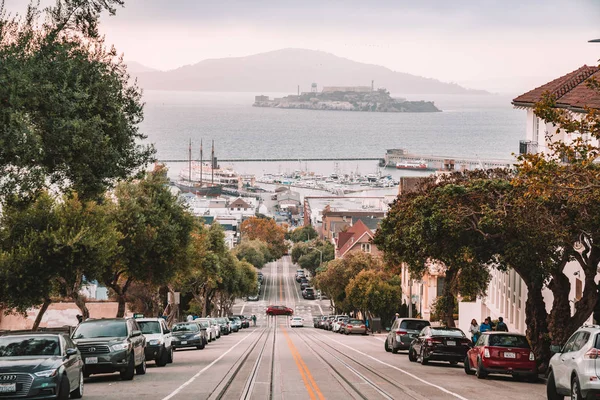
[(478, 43)]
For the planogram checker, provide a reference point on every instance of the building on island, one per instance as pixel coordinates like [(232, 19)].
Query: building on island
[(356, 89)]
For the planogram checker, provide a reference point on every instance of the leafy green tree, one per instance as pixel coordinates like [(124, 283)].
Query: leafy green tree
[(156, 231), (68, 114), (373, 292), (49, 248), (303, 234), (253, 251), (308, 254)]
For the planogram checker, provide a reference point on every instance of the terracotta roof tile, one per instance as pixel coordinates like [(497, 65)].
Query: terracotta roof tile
[(571, 90), (352, 235)]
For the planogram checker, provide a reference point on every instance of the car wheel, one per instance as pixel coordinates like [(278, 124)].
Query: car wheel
[(575, 390), (200, 347), (63, 389), (551, 392), (141, 369), (86, 374), (468, 369), (412, 355), (394, 349), (481, 374), (127, 374), (171, 351), (422, 358), (386, 346), (163, 358), (78, 393)]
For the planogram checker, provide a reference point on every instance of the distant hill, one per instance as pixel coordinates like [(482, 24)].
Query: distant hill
[(135, 68), (283, 70)]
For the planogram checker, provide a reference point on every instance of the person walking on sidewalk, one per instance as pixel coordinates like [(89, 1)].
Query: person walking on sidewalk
[(474, 330), (501, 326)]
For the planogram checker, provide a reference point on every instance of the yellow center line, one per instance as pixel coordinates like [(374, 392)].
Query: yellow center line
[(280, 290), (304, 371)]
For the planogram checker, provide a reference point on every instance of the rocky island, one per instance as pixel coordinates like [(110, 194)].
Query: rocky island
[(353, 98)]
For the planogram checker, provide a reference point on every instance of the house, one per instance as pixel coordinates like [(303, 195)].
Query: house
[(507, 293), (424, 291), (239, 205), (356, 238)]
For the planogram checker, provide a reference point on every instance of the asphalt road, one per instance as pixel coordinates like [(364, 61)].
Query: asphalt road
[(274, 361)]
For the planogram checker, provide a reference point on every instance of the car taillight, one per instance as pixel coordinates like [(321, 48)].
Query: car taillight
[(591, 354), (486, 352), (532, 356), (362, 326), (400, 332), (349, 326), (432, 341)]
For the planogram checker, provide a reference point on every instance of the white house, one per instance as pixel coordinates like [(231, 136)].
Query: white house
[(507, 293)]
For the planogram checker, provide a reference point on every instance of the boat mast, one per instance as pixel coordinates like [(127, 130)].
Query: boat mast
[(212, 163), (190, 163), (201, 165)]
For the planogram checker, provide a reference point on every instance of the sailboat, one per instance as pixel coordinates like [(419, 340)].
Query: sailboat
[(191, 179)]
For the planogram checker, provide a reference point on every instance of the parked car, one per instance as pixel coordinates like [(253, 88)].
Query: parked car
[(158, 340), (335, 327), (40, 365), (299, 274), (211, 328), (253, 297), (279, 310), (329, 322), (296, 322), (111, 345), (316, 321), (217, 327), (355, 326), (574, 369), (188, 334), (304, 285), (323, 321), (439, 344), (402, 333), (235, 323), (308, 293), (224, 325), (501, 353), (245, 323)]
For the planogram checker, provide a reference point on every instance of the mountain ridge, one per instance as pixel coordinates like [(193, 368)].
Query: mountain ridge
[(283, 70)]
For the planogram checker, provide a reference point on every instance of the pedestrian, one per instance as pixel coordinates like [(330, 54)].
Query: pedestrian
[(492, 326), (190, 318), (474, 330), (485, 325), (501, 326), (254, 319), (395, 318)]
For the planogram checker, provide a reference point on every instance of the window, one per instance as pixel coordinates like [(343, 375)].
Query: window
[(509, 341), (366, 247), (569, 345)]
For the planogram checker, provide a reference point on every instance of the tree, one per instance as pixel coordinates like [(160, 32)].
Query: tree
[(49, 248), (155, 233), (303, 234), (309, 255), (373, 291), (269, 232), (68, 114), (253, 251), (426, 226)]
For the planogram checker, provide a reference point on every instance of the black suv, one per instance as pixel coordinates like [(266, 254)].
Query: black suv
[(308, 293), (40, 365), (111, 345)]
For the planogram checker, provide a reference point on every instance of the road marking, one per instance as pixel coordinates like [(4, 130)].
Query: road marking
[(304, 372), (458, 396), (193, 378), (242, 310)]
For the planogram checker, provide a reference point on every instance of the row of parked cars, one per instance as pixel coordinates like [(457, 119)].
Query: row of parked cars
[(53, 365), (341, 324)]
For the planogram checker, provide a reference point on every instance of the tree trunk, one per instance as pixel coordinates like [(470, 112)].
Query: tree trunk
[(38, 319), (80, 302), (449, 298), (536, 319)]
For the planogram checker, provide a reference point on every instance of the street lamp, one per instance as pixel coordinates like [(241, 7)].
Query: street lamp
[(320, 255)]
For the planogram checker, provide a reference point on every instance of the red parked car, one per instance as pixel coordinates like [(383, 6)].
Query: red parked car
[(279, 310), (501, 353)]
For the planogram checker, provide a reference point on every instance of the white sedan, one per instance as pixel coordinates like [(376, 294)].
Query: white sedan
[(296, 321)]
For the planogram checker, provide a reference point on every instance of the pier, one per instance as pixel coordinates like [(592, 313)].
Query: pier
[(285, 159)]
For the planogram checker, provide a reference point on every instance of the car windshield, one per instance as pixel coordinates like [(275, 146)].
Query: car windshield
[(149, 327), (414, 325), (185, 328), (509, 341), (448, 332), (355, 322), (100, 328), (29, 346)]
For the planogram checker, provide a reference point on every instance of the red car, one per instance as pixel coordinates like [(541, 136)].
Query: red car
[(501, 353), (279, 310)]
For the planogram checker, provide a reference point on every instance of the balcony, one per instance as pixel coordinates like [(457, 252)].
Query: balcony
[(528, 147)]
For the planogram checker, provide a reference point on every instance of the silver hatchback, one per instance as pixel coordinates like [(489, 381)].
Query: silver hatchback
[(575, 370), (402, 333)]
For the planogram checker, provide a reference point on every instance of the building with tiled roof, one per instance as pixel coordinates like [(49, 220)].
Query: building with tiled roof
[(358, 237), (571, 92)]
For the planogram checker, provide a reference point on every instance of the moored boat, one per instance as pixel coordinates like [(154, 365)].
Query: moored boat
[(419, 165)]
